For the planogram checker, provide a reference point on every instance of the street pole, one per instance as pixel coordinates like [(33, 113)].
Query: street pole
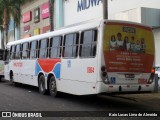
[(51, 9), (105, 9)]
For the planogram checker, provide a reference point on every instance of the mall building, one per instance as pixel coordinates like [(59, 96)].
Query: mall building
[(36, 16)]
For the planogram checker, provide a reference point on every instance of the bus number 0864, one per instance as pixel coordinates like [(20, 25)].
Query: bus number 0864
[(90, 69)]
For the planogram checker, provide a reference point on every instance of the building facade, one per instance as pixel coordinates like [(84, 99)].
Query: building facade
[(76, 11), (146, 16), (35, 18), (66, 12)]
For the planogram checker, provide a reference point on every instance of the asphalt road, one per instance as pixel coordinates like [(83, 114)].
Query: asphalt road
[(27, 98)]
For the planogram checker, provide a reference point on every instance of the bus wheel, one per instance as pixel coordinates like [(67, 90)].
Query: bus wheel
[(41, 85), (11, 78), (53, 87)]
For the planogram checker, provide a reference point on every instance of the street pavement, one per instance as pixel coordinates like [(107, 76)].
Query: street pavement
[(149, 99), (27, 98)]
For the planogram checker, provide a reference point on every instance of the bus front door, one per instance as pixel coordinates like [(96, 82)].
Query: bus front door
[(6, 65)]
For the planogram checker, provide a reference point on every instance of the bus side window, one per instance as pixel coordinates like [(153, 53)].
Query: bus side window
[(12, 52), (88, 44), (25, 50), (55, 47), (43, 45), (33, 49), (70, 47), (18, 51)]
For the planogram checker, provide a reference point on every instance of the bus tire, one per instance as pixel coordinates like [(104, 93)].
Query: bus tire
[(12, 79), (53, 87), (41, 85)]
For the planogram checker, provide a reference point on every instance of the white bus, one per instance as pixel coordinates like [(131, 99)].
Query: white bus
[(1, 63), (90, 58)]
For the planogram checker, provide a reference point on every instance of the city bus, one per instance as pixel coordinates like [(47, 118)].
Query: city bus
[(93, 57), (1, 63)]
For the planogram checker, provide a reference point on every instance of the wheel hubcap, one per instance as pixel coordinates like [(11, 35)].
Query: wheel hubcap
[(53, 86), (41, 86)]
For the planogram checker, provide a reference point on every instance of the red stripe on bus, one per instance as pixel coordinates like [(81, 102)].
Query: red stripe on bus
[(47, 65)]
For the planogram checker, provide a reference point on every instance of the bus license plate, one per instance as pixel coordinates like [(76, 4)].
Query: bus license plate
[(129, 75)]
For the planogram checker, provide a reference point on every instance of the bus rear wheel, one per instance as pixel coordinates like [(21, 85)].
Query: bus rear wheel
[(11, 77), (41, 85), (53, 87), (12, 80)]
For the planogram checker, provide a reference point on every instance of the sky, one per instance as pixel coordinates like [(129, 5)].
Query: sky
[(115, 6)]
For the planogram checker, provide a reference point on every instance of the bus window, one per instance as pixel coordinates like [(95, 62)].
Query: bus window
[(88, 43), (43, 44), (55, 47), (12, 56), (18, 52), (33, 50), (25, 51), (70, 45)]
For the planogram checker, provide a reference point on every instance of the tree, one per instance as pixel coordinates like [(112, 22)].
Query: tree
[(10, 9), (1, 29)]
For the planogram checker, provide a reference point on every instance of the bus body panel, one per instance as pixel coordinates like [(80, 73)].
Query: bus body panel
[(1, 68), (1, 63), (128, 69), (83, 76), (6, 72), (24, 71), (73, 70), (76, 87), (75, 78)]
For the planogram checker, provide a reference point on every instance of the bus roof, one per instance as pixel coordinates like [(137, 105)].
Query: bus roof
[(70, 29)]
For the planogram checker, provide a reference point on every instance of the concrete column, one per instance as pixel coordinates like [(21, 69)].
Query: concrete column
[(59, 13), (17, 33), (105, 9)]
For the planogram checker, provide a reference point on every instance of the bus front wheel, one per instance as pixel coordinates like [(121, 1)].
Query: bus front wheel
[(53, 87), (41, 85)]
